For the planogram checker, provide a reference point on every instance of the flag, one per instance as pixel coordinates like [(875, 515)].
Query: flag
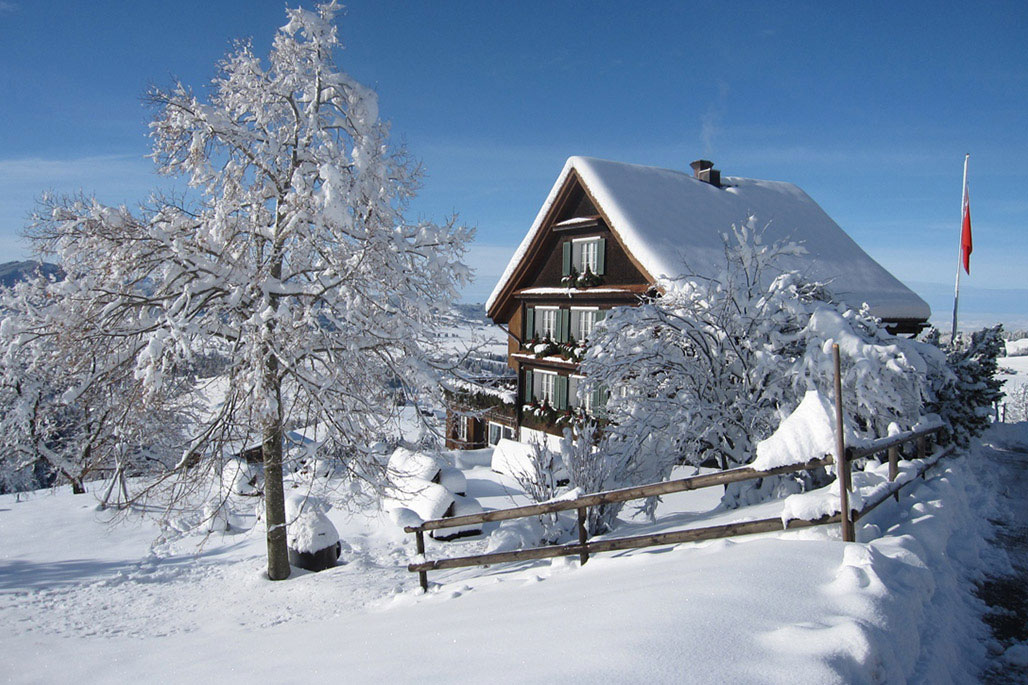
[(965, 230)]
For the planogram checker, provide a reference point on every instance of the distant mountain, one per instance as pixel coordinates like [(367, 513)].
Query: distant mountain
[(12, 272)]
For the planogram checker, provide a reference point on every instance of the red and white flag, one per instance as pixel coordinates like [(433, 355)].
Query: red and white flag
[(965, 230)]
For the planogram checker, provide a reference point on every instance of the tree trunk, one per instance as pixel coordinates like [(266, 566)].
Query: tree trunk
[(274, 497), (77, 488)]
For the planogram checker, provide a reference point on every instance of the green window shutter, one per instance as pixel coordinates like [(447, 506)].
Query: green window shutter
[(566, 267), (599, 399), (601, 251), (529, 331), (561, 399), (566, 328), (601, 315), (526, 393), (561, 334)]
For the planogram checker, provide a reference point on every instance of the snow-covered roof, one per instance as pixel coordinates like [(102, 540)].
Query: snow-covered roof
[(672, 224)]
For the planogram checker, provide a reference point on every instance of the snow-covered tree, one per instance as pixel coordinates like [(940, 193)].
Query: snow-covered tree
[(296, 256), (711, 366), (967, 398), (66, 395)]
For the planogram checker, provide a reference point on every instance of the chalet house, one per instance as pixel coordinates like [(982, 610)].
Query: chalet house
[(605, 234)]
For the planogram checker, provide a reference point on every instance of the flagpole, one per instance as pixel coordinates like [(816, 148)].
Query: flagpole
[(960, 252)]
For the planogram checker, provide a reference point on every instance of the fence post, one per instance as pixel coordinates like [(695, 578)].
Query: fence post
[(584, 555), (922, 452), (422, 575), (841, 462), (894, 467)]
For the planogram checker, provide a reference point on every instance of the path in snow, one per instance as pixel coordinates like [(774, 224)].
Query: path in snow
[(1006, 592)]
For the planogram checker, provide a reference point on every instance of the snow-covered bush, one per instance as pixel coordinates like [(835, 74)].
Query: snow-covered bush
[(537, 474), (713, 365), (965, 401), (593, 470), (1016, 404)]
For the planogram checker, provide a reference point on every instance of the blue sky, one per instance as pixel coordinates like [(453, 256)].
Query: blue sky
[(869, 107)]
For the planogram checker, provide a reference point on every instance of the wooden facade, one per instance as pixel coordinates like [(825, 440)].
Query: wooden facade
[(541, 282)]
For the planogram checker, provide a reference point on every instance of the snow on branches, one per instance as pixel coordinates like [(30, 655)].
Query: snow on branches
[(295, 257), (711, 366)]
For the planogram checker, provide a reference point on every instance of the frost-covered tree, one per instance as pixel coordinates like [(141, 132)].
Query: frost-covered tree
[(966, 399), (591, 469), (296, 256), (711, 366), (66, 395)]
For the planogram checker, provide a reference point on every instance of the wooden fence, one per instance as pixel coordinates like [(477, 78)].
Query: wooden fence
[(584, 547)]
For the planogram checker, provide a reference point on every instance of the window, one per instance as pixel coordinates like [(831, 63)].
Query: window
[(583, 321), (546, 322), (497, 432), (462, 428), (590, 402), (588, 260), (545, 387), (587, 255)]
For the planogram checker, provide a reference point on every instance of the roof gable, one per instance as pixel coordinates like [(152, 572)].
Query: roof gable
[(672, 223)]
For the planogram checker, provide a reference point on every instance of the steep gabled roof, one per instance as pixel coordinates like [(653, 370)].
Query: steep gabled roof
[(672, 223)]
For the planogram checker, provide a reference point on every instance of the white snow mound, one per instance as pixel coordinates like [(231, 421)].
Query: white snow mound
[(308, 529), (807, 433)]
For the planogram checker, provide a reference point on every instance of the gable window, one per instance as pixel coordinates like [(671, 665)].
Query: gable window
[(585, 255)]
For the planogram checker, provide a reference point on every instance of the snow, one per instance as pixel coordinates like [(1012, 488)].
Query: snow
[(512, 458), (405, 464), (308, 529), (574, 291), (808, 433), (427, 500), (672, 223), (789, 607), (453, 480)]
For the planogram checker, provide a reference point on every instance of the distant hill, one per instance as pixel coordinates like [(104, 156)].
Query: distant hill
[(12, 272)]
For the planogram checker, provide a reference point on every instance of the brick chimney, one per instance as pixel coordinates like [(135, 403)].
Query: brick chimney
[(703, 169)]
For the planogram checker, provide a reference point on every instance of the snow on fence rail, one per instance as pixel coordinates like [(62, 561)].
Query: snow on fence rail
[(846, 516), (583, 548)]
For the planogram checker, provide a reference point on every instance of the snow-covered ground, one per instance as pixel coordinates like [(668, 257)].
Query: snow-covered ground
[(84, 597)]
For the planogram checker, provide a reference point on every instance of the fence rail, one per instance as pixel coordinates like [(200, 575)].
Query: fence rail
[(583, 548)]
